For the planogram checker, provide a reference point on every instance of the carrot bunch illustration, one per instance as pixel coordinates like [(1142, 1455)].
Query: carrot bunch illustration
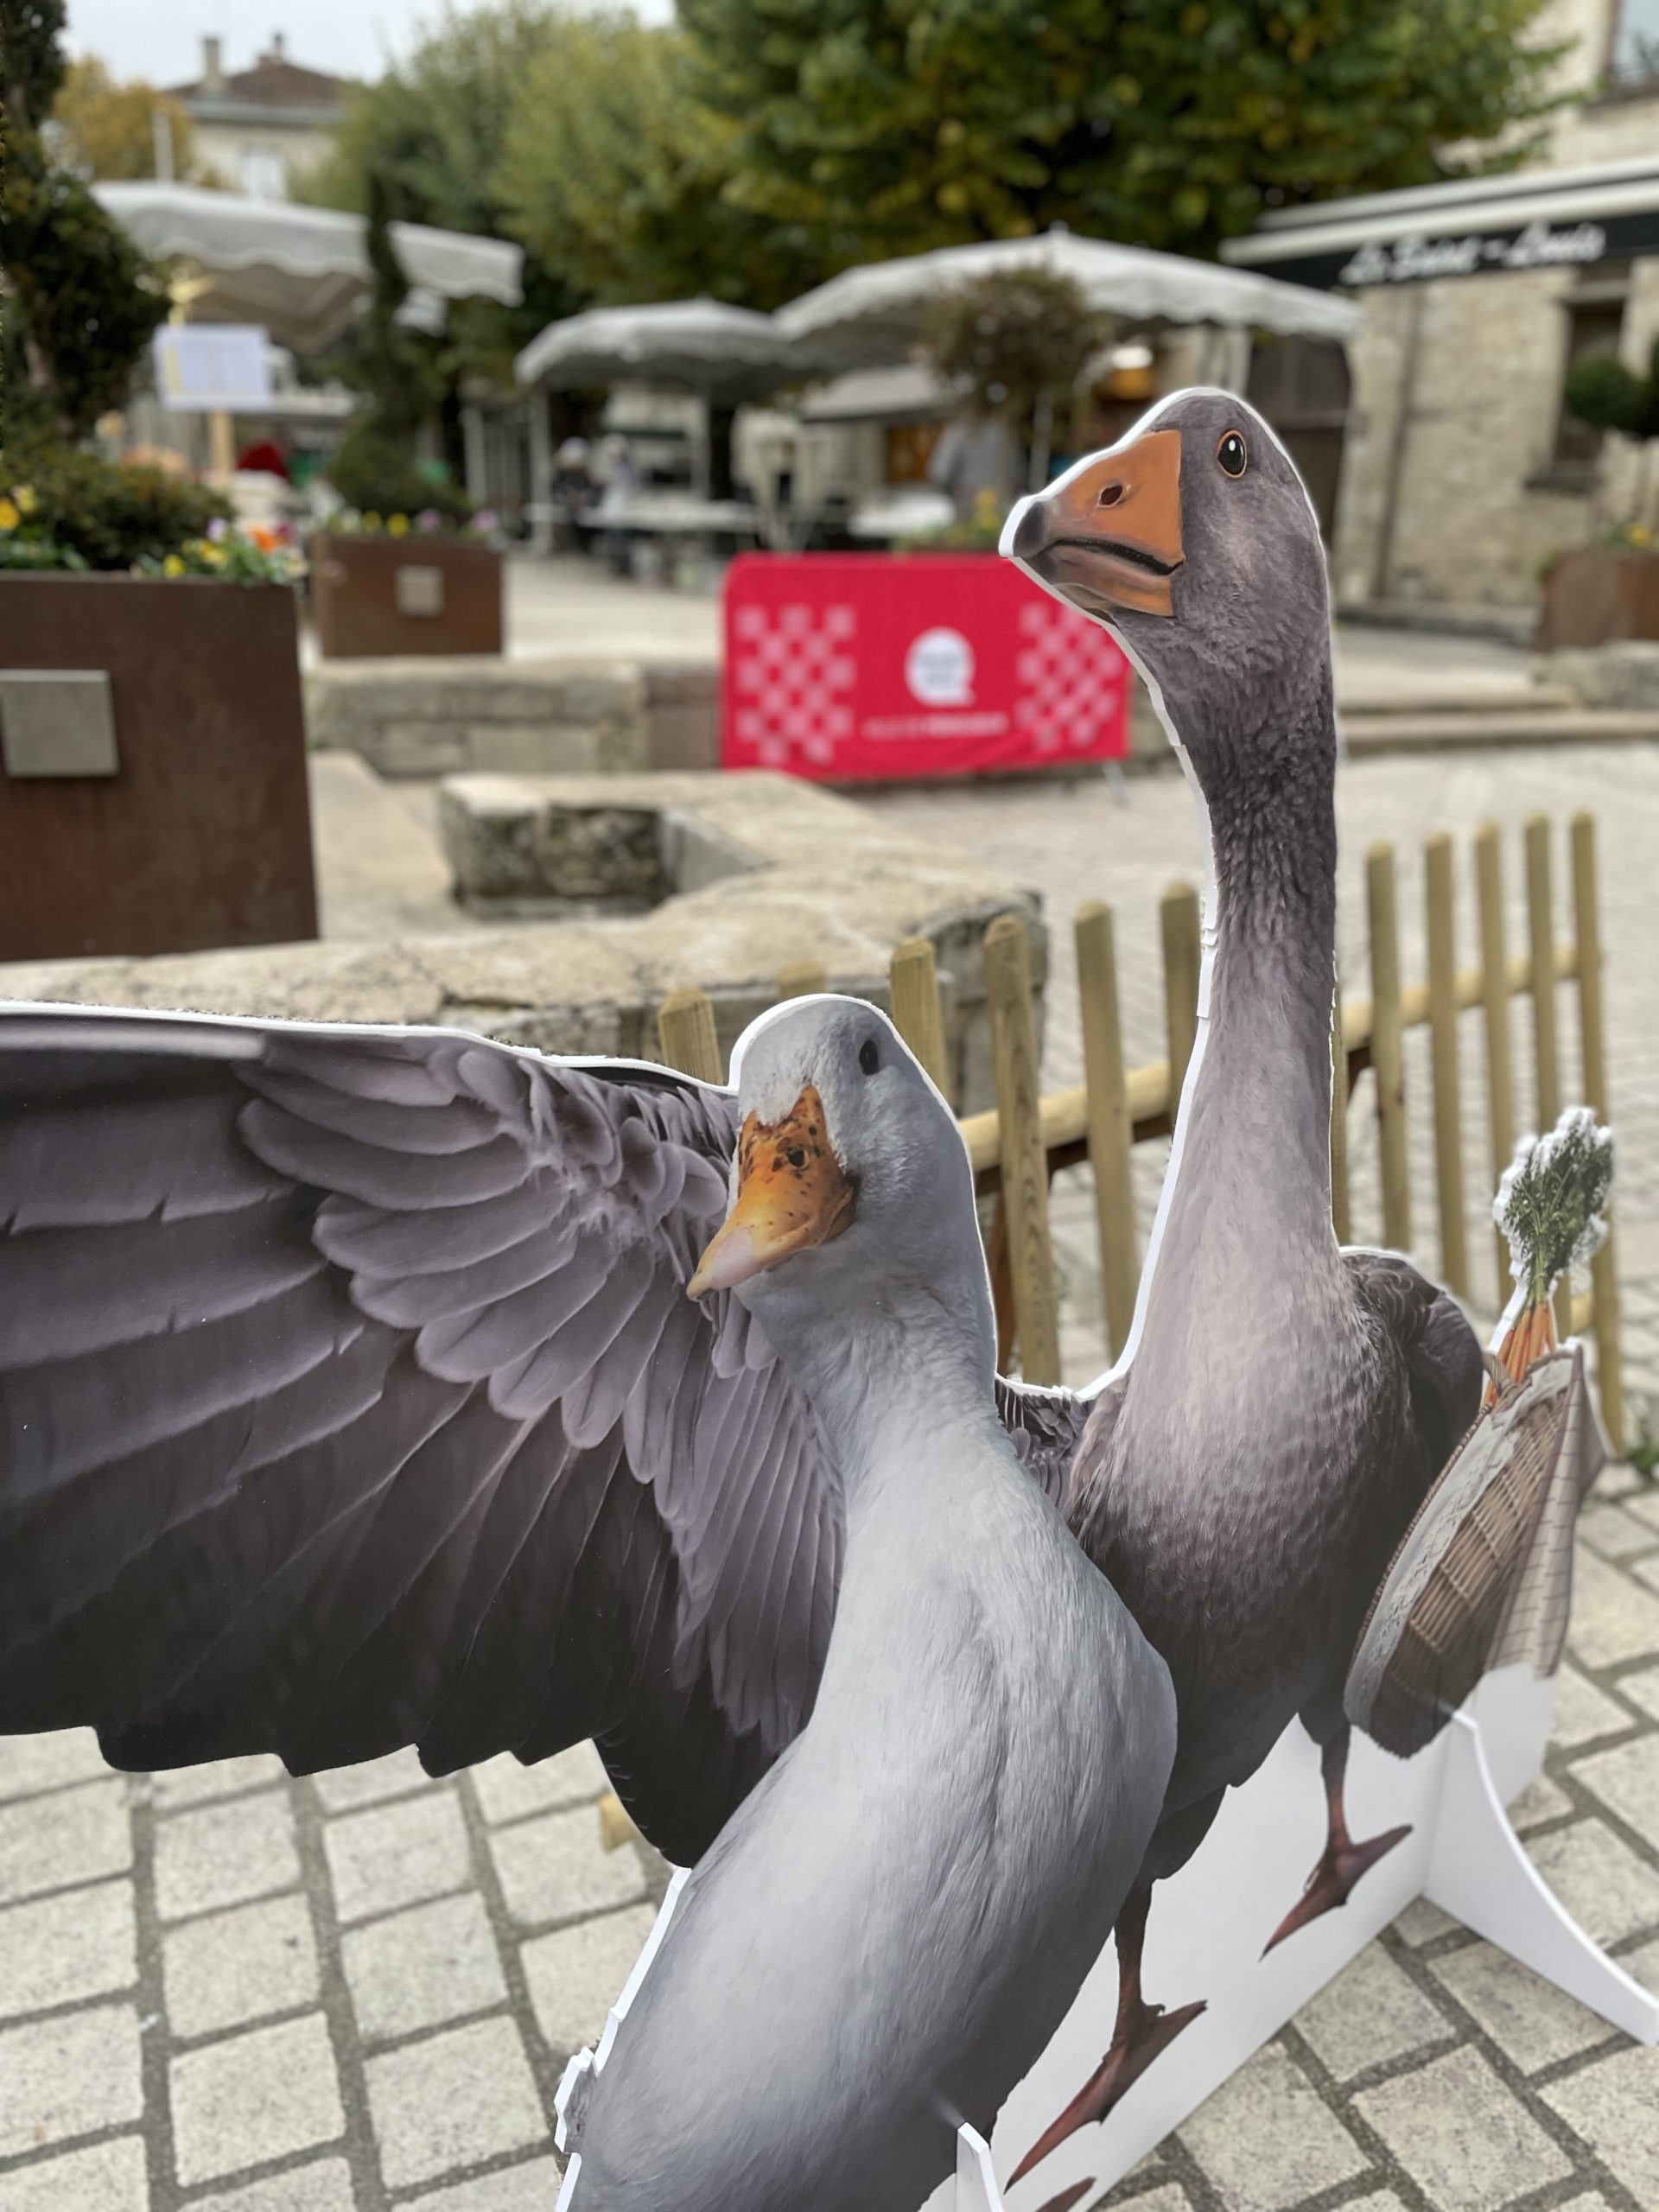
[(1551, 1206)]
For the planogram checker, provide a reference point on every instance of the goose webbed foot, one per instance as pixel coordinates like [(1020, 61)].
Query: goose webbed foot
[(1344, 1862), (1147, 2032)]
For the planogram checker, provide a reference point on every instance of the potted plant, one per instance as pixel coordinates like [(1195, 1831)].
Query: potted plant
[(153, 790), (1609, 589)]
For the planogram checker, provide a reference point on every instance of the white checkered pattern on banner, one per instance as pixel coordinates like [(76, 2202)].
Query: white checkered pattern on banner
[(794, 675), (1071, 676)]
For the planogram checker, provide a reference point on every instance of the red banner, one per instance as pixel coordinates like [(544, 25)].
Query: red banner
[(861, 667)]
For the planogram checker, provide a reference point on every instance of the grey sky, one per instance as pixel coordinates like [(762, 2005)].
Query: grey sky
[(161, 40)]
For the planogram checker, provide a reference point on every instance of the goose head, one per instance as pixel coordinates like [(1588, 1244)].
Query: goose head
[(851, 1198), (1194, 542)]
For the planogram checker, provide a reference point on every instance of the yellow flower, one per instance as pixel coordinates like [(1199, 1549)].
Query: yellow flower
[(8, 515), (370, 522), (397, 525), (173, 566), (1640, 534), (25, 496)]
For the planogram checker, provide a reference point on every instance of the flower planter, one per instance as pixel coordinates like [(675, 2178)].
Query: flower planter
[(153, 790), (1597, 593), (395, 595)]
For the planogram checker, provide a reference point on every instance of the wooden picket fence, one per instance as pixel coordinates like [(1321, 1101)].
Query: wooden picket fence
[(1017, 1146)]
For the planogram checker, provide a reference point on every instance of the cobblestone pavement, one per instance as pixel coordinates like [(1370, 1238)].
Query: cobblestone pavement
[(225, 1990)]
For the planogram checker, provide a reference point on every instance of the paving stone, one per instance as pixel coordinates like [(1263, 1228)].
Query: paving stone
[(1582, 1712), (417, 1969), (1468, 2143), (346, 1789), (1600, 1879), (232, 1968), (452, 2100), (1627, 1782), (224, 1854), (1614, 2104), (508, 1791), (110, 2178), (397, 1855), (557, 1869), (324, 2186), (1532, 2022), (31, 1764), (1613, 1619), (576, 1976), (529, 2188), (1370, 2012), (1543, 1800), (252, 2097), (1642, 1687), (1266, 2140), (62, 1949), (199, 1785), (1614, 1533), (1643, 1503), (77, 1835), (1421, 1922), (68, 2077)]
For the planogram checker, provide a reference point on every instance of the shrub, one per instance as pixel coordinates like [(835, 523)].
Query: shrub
[(375, 472), (101, 514)]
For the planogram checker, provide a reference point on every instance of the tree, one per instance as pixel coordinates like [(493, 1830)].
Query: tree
[(101, 129), (1602, 391), (615, 170), (886, 126), (1017, 342), (81, 301)]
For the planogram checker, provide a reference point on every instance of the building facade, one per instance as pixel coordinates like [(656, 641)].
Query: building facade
[(257, 129), (1461, 472)]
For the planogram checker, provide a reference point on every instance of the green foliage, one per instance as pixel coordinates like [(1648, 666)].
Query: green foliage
[(97, 514), (1644, 1453), (886, 126), (1552, 1198), (614, 171), (81, 301), (375, 471), (1602, 391), (108, 130), (1014, 339), (979, 532)]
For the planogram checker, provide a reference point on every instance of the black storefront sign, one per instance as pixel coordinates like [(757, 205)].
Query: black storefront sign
[(1432, 256)]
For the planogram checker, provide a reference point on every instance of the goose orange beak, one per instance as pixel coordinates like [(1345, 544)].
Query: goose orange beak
[(1107, 537), (791, 1192)]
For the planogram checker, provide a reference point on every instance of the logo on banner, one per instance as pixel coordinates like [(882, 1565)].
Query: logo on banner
[(939, 668)]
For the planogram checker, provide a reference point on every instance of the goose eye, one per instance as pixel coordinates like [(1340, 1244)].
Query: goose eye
[(869, 1058), (1233, 454)]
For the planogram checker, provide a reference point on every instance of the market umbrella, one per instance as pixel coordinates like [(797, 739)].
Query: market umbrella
[(300, 272), (876, 313)]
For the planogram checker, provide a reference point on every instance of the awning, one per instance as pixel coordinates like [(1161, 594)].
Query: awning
[(1475, 226), (912, 392), (302, 272), (727, 353), (877, 313)]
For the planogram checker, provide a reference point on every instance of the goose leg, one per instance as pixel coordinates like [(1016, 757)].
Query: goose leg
[(1140, 2032), (1343, 1861)]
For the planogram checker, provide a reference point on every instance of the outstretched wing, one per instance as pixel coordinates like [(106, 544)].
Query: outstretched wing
[(350, 1398)]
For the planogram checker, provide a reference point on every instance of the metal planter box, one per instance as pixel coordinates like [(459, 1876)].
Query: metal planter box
[(396, 595), (153, 790), (1598, 594)]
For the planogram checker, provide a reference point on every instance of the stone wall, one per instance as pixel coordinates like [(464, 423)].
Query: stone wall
[(761, 872)]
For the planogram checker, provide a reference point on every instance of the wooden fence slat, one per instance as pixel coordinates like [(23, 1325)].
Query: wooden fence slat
[(1387, 1057), (913, 976), (1541, 932), (1603, 1277), (1494, 998), (1110, 1131), (1182, 951), (801, 979), (1340, 1214), (1025, 1164), (685, 1027), (1443, 1033)]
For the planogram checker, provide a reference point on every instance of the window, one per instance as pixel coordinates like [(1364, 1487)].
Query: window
[(1595, 321), (1633, 55), (264, 173)]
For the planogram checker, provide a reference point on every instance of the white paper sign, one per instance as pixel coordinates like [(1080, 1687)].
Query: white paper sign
[(205, 366)]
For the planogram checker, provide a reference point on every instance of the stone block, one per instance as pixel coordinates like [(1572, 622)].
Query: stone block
[(348, 1788), (509, 1791), (1466, 2140), (397, 1855), (232, 1968), (1614, 2104), (1613, 1619), (199, 1785), (452, 2100), (223, 1854), (1371, 2014), (576, 1976), (74, 1835), (110, 2178), (29, 1765), (1623, 674), (265, 2094), (1626, 1780), (63, 1950), (324, 2185), (1583, 1713), (73, 2075), (532, 2187), (420, 1968), (1607, 1889), (557, 1869), (600, 852), (1532, 2022), (1265, 2139)]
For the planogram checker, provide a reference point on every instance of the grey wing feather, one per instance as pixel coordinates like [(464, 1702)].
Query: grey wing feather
[(1046, 1428), (350, 1397)]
